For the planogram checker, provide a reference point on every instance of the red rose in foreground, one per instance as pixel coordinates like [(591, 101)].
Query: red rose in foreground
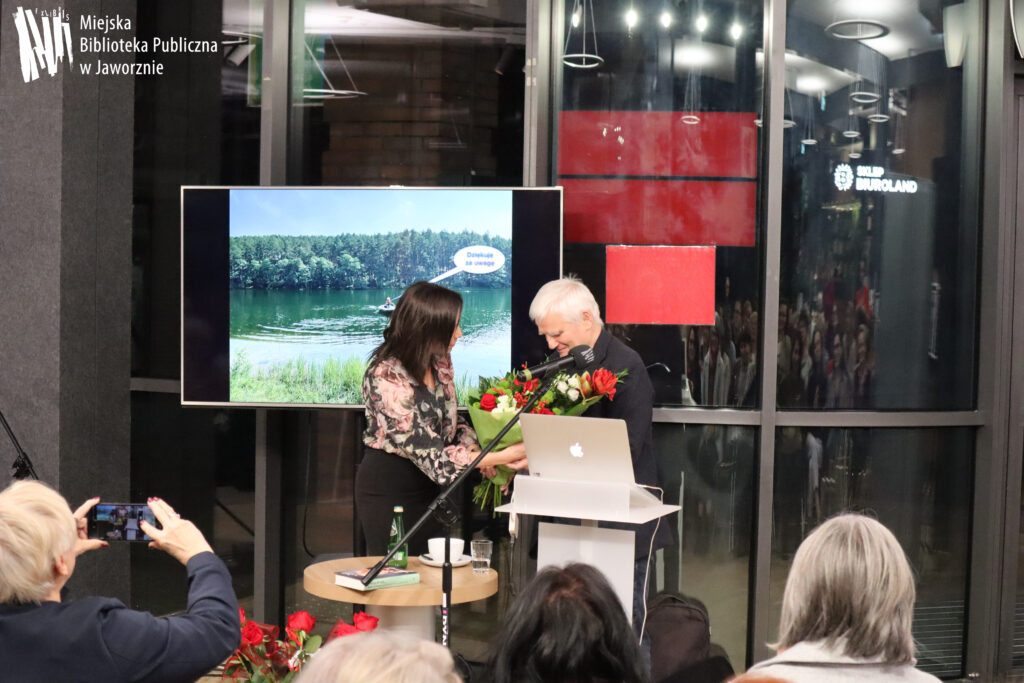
[(241, 616), (488, 402), (364, 622), (252, 634), (604, 382), (301, 621)]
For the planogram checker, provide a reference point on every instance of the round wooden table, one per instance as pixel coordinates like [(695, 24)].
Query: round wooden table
[(408, 608)]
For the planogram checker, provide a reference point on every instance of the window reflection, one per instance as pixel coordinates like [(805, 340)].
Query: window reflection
[(709, 471), (657, 145), (878, 251), (413, 93), (210, 137), (911, 480)]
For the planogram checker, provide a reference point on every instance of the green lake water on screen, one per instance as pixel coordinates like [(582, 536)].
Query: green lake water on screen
[(311, 346)]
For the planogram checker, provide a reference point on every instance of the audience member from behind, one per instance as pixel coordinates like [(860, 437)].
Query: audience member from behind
[(44, 638), (380, 657), (567, 626), (847, 608)]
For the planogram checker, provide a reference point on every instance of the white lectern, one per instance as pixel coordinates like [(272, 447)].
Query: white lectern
[(610, 550)]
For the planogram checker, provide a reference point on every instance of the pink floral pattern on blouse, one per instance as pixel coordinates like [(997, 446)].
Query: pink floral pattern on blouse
[(408, 419)]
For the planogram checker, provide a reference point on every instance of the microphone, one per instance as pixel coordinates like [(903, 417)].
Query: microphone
[(579, 357)]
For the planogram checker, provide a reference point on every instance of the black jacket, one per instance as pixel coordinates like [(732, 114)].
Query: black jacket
[(634, 403), (99, 639)]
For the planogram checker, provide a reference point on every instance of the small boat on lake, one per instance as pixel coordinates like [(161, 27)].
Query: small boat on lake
[(387, 308)]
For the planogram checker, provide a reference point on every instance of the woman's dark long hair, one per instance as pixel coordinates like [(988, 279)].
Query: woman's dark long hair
[(567, 626), (421, 327)]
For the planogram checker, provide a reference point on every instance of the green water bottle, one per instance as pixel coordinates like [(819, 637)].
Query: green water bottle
[(401, 558)]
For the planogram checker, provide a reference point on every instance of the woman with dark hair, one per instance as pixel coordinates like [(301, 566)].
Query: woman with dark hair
[(567, 626), (415, 440)]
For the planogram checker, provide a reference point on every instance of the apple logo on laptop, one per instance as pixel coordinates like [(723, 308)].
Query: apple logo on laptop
[(576, 450)]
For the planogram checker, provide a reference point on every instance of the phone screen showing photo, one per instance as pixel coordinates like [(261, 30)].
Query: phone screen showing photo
[(119, 521)]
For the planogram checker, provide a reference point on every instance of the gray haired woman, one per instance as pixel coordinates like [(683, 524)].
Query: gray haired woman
[(847, 608)]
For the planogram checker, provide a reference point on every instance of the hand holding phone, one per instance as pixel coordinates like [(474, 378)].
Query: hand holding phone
[(179, 537), (119, 521)]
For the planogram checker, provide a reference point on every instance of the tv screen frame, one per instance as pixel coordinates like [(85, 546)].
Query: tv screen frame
[(206, 227)]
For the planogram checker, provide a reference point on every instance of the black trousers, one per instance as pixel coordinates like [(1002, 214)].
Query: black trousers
[(384, 480)]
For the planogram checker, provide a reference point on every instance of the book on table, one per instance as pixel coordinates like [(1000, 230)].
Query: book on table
[(389, 577)]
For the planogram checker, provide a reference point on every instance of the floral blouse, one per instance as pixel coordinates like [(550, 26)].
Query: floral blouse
[(407, 418)]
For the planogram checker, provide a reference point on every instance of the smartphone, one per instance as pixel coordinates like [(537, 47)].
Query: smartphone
[(119, 521)]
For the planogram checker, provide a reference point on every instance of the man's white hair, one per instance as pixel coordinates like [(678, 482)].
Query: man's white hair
[(567, 297)]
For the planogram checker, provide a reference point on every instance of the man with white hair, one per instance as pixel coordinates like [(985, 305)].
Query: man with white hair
[(567, 315)]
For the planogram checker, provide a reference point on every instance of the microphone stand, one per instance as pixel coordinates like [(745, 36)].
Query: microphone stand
[(22, 465), (441, 509)]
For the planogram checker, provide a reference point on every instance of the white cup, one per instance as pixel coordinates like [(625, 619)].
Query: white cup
[(436, 548)]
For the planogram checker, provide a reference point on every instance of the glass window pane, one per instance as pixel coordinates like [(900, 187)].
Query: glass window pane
[(911, 480), (657, 149), (200, 460), (197, 124), (411, 93), (879, 242), (709, 470), (319, 512)]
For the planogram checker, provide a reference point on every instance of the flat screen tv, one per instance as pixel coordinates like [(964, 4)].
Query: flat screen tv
[(286, 290)]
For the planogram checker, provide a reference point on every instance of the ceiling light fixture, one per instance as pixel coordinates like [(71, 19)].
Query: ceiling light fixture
[(330, 92), (849, 24), (852, 127), (582, 59)]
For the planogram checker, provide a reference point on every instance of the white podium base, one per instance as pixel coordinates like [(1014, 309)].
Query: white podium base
[(610, 550)]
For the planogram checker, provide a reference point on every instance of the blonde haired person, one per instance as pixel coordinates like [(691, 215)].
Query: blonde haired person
[(380, 657), (45, 638), (847, 608)]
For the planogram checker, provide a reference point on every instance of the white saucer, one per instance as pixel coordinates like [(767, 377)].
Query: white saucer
[(426, 559)]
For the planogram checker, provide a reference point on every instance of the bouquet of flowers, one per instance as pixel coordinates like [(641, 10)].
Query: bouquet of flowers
[(495, 401), (263, 658)]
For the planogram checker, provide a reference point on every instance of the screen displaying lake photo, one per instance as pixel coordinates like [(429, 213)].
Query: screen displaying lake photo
[(314, 275)]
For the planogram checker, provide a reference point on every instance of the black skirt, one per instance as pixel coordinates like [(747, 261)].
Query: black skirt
[(384, 480)]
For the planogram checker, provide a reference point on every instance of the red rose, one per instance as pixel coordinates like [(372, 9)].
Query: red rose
[(488, 402), (604, 382), (301, 621), (364, 622), (252, 634), (241, 616), (341, 628)]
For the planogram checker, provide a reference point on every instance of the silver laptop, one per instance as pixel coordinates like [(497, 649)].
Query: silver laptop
[(577, 448)]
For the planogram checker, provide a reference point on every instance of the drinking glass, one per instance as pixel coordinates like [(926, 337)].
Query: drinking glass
[(481, 553)]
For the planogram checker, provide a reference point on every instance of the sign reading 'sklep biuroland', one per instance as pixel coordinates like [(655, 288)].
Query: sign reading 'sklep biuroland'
[(870, 179)]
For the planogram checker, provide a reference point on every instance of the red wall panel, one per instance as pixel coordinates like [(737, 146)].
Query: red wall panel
[(660, 211), (660, 285), (723, 144)]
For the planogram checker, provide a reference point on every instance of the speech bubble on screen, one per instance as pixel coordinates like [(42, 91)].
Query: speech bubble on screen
[(477, 260)]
